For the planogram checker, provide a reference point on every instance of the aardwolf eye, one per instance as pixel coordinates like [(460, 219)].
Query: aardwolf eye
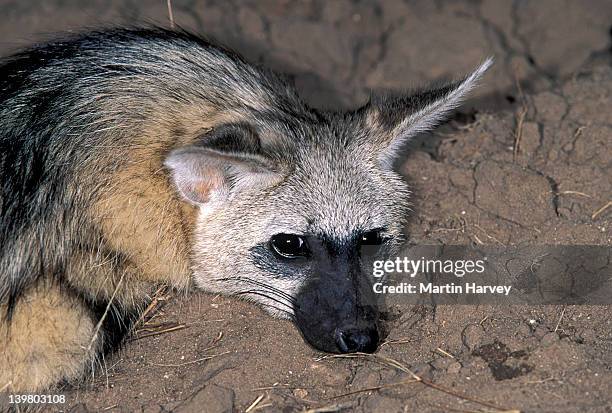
[(373, 237), (289, 246)]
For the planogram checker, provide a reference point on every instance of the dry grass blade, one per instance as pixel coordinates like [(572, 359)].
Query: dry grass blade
[(274, 387), (330, 409), (212, 356), (520, 119), (466, 397), (156, 303), (560, 319), (491, 237), (519, 133), (450, 409), (575, 193), (399, 366), (394, 342), (375, 388), (217, 338), (446, 353), (106, 310), (255, 403), (601, 210), (170, 14), (156, 333), (156, 326)]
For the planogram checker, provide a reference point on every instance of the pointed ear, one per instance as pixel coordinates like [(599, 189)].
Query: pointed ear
[(395, 120), (226, 160)]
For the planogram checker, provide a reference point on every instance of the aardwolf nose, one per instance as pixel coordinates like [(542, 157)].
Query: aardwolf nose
[(354, 340)]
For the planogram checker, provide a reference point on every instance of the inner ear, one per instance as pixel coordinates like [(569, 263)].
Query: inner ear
[(224, 161), (232, 138), (396, 119)]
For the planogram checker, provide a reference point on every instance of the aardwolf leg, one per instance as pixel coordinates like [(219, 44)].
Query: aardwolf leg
[(47, 340)]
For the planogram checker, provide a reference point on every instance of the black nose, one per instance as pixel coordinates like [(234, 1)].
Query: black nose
[(353, 340)]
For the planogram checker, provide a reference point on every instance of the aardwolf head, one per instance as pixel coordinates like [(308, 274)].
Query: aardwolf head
[(295, 203)]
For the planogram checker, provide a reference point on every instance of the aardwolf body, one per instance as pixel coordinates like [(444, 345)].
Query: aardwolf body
[(133, 158)]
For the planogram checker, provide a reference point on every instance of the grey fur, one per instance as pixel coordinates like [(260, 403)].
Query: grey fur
[(73, 111)]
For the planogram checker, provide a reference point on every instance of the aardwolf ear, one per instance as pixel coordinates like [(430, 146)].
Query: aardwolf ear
[(227, 160), (397, 119)]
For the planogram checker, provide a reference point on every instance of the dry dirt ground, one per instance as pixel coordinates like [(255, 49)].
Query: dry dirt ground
[(529, 159)]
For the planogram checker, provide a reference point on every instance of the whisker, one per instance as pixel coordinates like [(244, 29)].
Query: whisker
[(271, 288), (262, 294), (278, 291), (270, 297)]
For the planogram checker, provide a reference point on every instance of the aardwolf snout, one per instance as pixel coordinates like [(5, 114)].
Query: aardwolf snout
[(357, 340), (339, 314)]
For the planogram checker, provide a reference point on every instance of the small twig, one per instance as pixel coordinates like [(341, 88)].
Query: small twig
[(113, 366), (212, 356), (106, 310), (375, 388), (519, 133), (156, 326), (601, 210), (575, 193), (464, 397), (521, 118), (149, 308), (255, 403), (277, 386), (217, 339), (560, 318), (170, 14), (110, 407), (398, 341), (155, 333), (547, 379), (487, 234), (6, 386), (579, 131), (396, 364), (447, 354), (451, 409), (105, 371), (330, 409)]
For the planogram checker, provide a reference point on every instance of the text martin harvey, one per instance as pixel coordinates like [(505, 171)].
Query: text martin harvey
[(430, 288)]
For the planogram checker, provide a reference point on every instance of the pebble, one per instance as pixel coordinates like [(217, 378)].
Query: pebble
[(384, 405), (423, 370), (215, 399), (540, 332), (524, 330), (331, 375), (454, 367), (588, 334), (300, 393), (472, 336), (550, 338), (441, 363)]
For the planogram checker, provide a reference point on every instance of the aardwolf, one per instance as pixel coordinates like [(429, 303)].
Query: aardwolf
[(134, 158)]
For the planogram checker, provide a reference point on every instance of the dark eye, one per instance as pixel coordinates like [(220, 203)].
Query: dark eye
[(289, 246), (371, 238)]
